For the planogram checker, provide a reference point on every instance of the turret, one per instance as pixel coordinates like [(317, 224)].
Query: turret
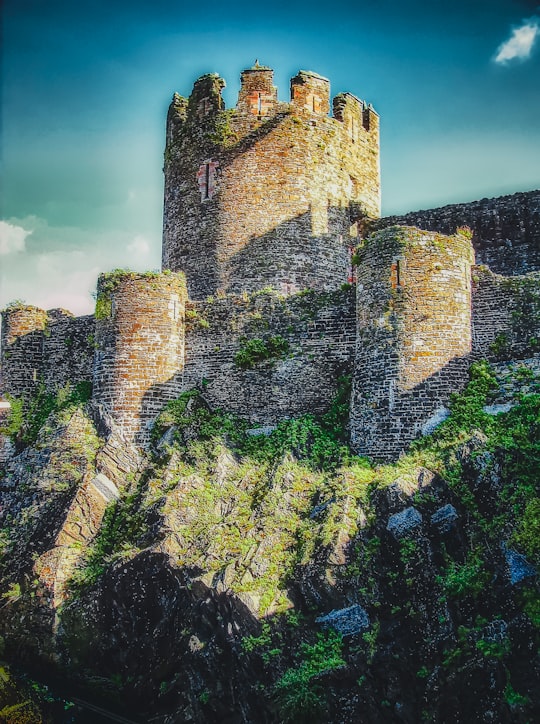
[(258, 95), (139, 347), (310, 93), (22, 349), (413, 335)]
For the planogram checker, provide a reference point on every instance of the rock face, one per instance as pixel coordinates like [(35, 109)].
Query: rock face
[(210, 582)]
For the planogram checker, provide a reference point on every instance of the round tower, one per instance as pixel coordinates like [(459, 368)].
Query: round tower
[(413, 334), (267, 194), (22, 349), (139, 347)]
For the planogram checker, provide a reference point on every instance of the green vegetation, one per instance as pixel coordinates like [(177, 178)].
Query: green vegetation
[(223, 134), (300, 692), (254, 351), (500, 347), (23, 426), (467, 579)]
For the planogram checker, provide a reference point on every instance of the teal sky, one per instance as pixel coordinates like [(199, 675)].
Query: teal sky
[(85, 90)]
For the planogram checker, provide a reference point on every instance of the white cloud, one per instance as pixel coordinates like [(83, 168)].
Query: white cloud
[(59, 265), (520, 43), (139, 245), (12, 238)]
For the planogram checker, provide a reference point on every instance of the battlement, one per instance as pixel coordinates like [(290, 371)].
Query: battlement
[(258, 95), (310, 92), (268, 193)]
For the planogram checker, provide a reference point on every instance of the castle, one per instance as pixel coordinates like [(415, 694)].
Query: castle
[(263, 302)]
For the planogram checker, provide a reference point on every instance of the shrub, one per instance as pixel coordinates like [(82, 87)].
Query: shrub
[(254, 351), (300, 697)]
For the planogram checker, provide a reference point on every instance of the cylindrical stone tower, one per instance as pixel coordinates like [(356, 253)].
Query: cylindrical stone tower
[(140, 347), (414, 334), (267, 194), (22, 350)]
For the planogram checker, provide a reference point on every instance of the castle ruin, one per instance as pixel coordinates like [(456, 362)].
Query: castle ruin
[(264, 206)]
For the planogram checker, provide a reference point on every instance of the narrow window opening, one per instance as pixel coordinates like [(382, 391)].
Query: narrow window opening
[(314, 109), (398, 273), (207, 181), (259, 104)]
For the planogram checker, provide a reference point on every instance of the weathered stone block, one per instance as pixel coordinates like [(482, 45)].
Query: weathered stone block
[(346, 621), (401, 524)]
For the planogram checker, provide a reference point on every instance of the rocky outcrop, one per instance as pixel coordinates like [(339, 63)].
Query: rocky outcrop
[(213, 582)]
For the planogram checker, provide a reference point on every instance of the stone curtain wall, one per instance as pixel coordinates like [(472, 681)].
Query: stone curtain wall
[(506, 315), (39, 347), (267, 194), (68, 349), (506, 229), (139, 347), (319, 329), (22, 349), (414, 334)]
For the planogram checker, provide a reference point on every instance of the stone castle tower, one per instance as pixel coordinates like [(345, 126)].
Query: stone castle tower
[(264, 202), (268, 193)]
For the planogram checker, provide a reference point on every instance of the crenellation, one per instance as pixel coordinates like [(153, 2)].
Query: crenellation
[(278, 212), (310, 93)]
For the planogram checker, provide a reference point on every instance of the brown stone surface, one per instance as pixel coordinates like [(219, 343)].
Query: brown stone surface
[(414, 334), (139, 348), (506, 229), (287, 185)]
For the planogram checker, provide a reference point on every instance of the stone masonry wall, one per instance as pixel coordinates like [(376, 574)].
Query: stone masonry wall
[(139, 347), (506, 229), (269, 198), (68, 349), (506, 315), (414, 334), (39, 347), (320, 330), (22, 349)]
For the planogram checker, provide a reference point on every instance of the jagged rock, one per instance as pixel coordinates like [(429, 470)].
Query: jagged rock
[(438, 417), (105, 487), (318, 509), (165, 442), (495, 631), (401, 524), (394, 497), (518, 566), (498, 408), (264, 430), (445, 518), (476, 443), (346, 621)]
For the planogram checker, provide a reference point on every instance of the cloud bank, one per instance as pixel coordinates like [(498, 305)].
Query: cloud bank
[(57, 266), (12, 238), (520, 43)]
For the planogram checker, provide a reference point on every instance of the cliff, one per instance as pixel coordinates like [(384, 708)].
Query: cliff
[(236, 575)]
